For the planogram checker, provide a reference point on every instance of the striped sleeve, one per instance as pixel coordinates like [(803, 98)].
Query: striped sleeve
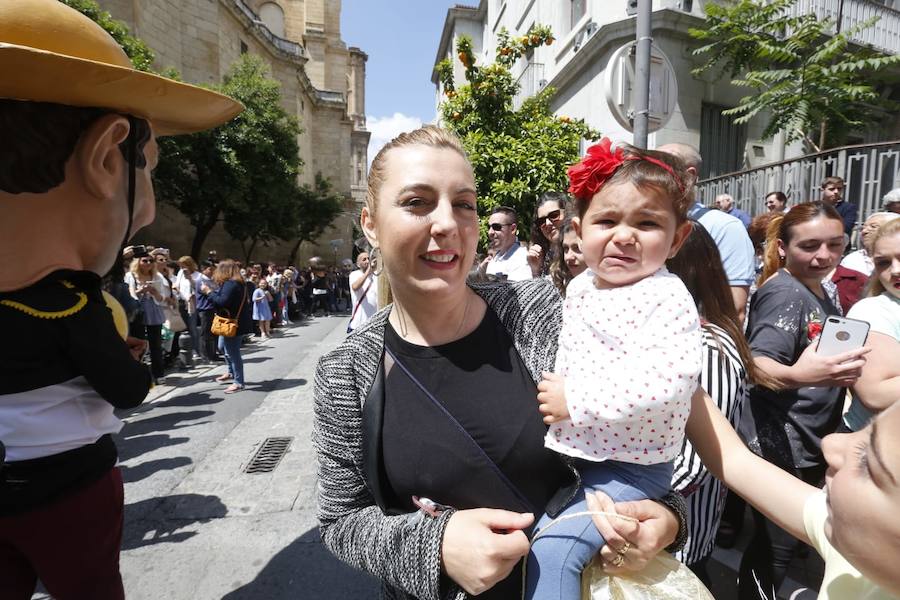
[(723, 378)]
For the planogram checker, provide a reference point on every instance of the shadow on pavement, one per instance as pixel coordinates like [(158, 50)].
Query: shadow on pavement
[(158, 520), (165, 422), (138, 445), (146, 469), (271, 385), (305, 569)]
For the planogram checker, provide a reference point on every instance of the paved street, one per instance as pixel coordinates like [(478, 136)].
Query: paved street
[(196, 526)]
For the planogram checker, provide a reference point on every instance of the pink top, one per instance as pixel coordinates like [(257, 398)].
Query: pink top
[(631, 357)]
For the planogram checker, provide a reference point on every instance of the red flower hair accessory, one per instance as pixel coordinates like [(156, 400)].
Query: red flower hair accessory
[(587, 176)]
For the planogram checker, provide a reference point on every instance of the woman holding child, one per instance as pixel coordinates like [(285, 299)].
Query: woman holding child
[(434, 397)]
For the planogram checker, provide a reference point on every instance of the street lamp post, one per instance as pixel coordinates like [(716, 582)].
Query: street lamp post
[(642, 74)]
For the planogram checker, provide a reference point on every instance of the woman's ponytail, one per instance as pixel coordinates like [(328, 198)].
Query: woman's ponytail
[(772, 261)]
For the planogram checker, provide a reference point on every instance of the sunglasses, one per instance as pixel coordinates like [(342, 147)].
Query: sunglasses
[(498, 226), (553, 215)]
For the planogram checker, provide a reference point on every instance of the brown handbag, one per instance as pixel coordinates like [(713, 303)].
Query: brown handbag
[(226, 326)]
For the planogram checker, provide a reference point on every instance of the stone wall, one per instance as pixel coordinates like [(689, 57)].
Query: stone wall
[(203, 38)]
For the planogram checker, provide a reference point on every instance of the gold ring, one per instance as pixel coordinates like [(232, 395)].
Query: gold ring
[(621, 551), (619, 561)]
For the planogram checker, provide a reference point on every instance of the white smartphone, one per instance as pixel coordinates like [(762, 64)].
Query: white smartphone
[(840, 334)]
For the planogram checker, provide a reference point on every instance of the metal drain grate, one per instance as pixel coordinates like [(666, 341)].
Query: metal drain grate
[(269, 455)]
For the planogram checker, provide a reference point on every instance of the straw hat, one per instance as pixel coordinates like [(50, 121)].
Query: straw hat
[(52, 53)]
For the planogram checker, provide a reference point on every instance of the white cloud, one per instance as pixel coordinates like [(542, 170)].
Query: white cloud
[(384, 129)]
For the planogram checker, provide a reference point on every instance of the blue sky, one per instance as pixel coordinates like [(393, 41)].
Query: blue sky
[(401, 39)]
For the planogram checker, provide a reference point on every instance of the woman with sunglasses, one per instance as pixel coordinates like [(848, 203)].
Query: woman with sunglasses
[(548, 218), (152, 290), (427, 413)]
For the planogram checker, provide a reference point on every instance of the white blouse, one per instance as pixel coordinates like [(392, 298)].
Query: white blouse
[(631, 358)]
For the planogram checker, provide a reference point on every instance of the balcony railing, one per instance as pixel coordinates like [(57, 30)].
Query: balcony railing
[(531, 81), (869, 172), (286, 46), (884, 35)]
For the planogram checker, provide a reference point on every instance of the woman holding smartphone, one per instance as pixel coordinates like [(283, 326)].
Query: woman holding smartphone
[(786, 426), (152, 290)]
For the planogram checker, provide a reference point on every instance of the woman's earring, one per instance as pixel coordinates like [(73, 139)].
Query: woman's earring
[(375, 260)]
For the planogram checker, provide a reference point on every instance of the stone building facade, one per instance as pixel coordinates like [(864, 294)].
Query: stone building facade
[(588, 34), (322, 83)]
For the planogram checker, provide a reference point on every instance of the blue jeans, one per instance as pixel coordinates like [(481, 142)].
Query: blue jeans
[(558, 557), (231, 347)]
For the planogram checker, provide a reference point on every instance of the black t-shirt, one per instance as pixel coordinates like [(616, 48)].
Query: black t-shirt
[(787, 427), (481, 381)]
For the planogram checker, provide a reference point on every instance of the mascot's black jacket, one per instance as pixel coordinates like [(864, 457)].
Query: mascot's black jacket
[(63, 369)]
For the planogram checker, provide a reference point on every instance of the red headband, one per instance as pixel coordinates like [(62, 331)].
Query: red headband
[(601, 161)]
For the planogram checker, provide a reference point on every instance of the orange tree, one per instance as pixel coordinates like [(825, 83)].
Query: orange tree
[(519, 153)]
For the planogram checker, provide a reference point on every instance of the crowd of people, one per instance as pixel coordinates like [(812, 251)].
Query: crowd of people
[(669, 347), (610, 379), (172, 304)]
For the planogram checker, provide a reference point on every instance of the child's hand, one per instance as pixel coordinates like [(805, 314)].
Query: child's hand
[(552, 398)]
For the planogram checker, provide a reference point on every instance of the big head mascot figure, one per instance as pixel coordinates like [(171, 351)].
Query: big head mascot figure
[(78, 129)]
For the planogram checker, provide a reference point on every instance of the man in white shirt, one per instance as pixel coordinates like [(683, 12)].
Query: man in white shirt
[(510, 259), (363, 292)]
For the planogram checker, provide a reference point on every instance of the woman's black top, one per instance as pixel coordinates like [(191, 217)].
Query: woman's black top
[(481, 381), (786, 427)]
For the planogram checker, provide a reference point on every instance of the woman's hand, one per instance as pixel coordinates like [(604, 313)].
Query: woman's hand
[(204, 289), (839, 370), (136, 347), (631, 542), (535, 259), (481, 546)]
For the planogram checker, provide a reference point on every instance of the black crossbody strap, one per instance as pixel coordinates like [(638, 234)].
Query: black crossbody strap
[(361, 298), (502, 476)]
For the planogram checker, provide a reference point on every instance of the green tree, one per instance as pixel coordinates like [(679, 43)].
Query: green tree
[(243, 172), (805, 80), (140, 54), (316, 207), (516, 154)]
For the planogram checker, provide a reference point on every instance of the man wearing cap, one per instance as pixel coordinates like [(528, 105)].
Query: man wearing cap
[(79, 127)]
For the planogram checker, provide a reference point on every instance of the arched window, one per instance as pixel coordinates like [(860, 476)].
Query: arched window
[(273, 16)]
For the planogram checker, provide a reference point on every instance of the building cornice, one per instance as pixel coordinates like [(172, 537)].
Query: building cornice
[(276, 46), (471, 13), (612, 35)]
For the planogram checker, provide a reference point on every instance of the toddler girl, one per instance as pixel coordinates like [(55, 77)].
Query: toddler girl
[(262, 312), (629, 352)]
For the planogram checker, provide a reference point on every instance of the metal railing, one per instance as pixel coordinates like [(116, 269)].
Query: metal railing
[(869, 172), (884, 35), (286, 46), (531, 81)]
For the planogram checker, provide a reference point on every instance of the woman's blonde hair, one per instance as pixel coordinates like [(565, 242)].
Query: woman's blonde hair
[(227, 269), (890, 228), (189, 262), (136, 264), (428, 135), (431, 136)]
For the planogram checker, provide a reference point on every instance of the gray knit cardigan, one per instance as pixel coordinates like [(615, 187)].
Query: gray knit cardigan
[(404, 551)]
